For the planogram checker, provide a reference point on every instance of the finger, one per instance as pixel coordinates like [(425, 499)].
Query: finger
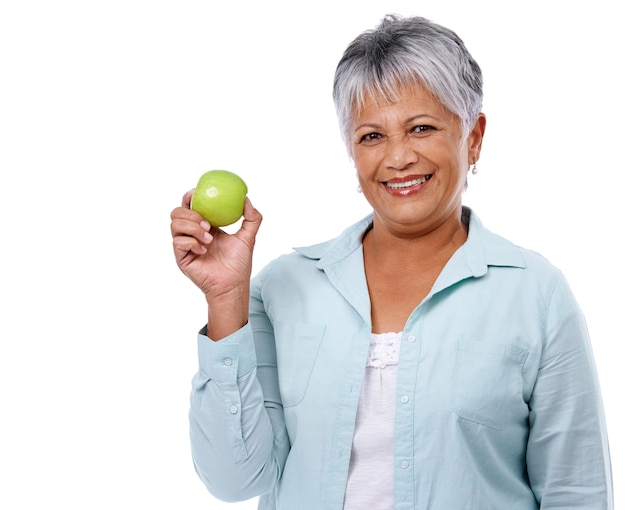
[(252, 219), (187, 199), (184, 245), (182, 213), (183, 225)]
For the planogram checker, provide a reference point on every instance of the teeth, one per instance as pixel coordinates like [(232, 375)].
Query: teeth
[(407, 184)]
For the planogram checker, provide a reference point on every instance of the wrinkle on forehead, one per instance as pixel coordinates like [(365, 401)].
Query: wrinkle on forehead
[(401, 93)]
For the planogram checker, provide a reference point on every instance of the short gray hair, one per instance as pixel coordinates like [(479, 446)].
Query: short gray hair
[(405, 51)]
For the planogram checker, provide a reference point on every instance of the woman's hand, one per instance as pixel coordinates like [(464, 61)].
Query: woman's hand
[(220, 264)]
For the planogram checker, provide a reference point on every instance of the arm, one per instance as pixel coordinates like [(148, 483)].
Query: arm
[(568, 455), (235, 450), (239, 443)]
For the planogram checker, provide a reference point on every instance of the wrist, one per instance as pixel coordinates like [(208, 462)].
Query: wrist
[(227, 313)]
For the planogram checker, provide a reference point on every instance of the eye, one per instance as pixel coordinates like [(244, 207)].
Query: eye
[(371, 138), (423, 128)]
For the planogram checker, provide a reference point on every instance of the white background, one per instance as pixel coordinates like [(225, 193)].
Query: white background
[(110, 111)]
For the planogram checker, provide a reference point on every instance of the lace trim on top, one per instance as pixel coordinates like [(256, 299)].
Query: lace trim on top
[(384, 350)]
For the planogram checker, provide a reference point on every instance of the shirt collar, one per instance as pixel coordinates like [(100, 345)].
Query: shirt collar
[(482, 248)]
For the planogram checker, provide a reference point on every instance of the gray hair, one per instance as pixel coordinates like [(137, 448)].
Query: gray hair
[(402, 52)]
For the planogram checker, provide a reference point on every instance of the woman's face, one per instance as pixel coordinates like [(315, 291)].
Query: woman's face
[(412, 159)]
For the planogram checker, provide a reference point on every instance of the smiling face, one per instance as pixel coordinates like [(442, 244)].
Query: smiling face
[(412, 158)]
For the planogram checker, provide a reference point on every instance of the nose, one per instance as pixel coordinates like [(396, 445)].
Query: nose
[(400, 153)]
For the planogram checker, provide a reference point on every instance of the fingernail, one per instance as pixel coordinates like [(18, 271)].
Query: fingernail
[(205, 225), (208, 236)]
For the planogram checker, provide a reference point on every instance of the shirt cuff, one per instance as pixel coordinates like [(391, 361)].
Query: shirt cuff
[(229, 358)]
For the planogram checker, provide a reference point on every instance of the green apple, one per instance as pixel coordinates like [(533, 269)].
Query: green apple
[(219, 197)]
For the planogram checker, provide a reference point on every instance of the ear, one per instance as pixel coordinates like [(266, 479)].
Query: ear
[(475, 139)]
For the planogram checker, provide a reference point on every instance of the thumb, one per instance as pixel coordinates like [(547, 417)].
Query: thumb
[(251, 221)]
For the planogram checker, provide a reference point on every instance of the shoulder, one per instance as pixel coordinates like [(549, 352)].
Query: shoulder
[(338, 247), (497, 250), (508, 269), (333, 249), (306, 261)]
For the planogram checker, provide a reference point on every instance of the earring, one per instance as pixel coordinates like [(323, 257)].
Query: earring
[(358, 189), (473, 168)]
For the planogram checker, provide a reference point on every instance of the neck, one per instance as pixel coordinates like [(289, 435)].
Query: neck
[(423, 248)]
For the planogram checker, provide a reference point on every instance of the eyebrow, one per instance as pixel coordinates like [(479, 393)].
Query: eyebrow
[(407, 121), (366, 124)]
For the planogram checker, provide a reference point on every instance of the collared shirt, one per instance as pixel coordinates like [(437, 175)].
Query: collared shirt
[(498, 401)]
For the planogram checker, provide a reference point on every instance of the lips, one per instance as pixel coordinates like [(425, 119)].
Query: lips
[(406, 185)]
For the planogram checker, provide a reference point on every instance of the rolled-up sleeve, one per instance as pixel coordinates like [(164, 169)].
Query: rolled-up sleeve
[(568, 454), (236, 451)]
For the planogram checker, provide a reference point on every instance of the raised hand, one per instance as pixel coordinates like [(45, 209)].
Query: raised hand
[(220, 264)]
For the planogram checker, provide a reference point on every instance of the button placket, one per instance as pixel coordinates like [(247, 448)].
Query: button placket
[(405, 413)]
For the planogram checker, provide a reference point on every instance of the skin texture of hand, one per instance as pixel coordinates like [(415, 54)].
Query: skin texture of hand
[(220, 264)]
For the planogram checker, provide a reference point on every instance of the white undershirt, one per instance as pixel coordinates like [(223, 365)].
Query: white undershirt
[(370, 477)]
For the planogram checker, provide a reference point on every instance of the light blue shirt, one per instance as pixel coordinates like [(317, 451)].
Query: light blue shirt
[(498, 403)]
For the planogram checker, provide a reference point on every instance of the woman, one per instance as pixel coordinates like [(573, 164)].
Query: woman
[(418, 360)]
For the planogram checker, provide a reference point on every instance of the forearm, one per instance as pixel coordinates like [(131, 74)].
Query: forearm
[(227, 313), (236, 450)]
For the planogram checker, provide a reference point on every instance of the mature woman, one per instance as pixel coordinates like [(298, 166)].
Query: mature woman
[(416, 361)]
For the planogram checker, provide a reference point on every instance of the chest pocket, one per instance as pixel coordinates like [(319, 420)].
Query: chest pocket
[(297, 345), (488, 384)]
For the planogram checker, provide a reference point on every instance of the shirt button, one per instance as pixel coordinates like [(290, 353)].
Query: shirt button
[(233, 409), (411, 338), (228, 361), (404, 399), (404, 464)]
